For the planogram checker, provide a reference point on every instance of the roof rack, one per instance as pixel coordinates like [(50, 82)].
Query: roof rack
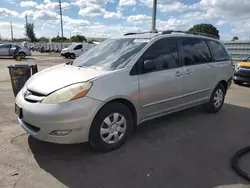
[(126, 34), (189, 32)]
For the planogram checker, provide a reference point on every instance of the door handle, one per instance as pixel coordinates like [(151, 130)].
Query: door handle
[(178, 73), (188, 71)]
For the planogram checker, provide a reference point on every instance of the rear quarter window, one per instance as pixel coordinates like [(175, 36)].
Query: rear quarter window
[(218, 51)]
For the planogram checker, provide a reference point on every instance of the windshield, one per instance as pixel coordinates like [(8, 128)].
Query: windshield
[(112, 54)]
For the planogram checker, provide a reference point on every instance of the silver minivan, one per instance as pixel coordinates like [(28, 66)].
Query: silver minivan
[(102, 95)]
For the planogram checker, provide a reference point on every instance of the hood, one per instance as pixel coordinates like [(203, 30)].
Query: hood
[(244, 64), (65, 49), (57, 77)]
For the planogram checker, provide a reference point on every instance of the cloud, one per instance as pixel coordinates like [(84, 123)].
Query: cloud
[(28, 4), (53, 6), (18, 29), (172, 24), (175, 6), (127, 3), (96, 10), (29, 13), (91, 11), (7, 13), (139, 19), (44, 15), (149, 3), (230, 9), (144, 22), (112, 15), (86, 3), (47, 1), (47, 26), (221, 22)]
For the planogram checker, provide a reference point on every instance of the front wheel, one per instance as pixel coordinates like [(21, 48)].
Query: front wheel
[(72, 56), (111, 127), (217, 99)]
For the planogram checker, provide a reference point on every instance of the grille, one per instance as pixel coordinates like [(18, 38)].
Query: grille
[(33, 97), (32, 127)]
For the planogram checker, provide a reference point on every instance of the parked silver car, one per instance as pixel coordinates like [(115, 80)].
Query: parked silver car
[(10, 49), (122, 82)]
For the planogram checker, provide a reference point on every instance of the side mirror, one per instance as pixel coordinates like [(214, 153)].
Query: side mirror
[(245, 60), (149, 65)]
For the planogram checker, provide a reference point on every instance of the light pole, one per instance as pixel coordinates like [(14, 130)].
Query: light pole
[(60, 6), (154, 17)]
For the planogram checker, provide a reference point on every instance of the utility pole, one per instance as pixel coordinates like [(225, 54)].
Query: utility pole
[(11, 31), (154, 17), (26, 19), (60, 6)]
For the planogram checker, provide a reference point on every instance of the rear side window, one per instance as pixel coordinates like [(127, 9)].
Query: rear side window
[(5, 46), (218, 51), (164, 52), (195, 51), (78, 47)]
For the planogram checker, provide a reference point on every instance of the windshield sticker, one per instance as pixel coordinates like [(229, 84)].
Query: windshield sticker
[(141, 40)]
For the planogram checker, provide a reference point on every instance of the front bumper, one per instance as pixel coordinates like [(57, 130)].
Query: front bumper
[(242, 75), (65, 54), (40, 120)]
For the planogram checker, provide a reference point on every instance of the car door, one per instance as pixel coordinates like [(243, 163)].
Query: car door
[(198, 70), (78, 50), (161, 89), (4, 49), (13, 49), (221, 61)]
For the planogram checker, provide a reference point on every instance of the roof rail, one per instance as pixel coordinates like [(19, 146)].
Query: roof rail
[(126, 34), (190, 32)]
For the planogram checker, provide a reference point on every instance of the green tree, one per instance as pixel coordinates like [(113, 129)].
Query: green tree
[(235, 38), (29, 32), (59, 39), (43, 39), (205, 28), (78, 38)]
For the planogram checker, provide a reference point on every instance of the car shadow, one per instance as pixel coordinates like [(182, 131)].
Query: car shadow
[(190, 148), (245, 85)]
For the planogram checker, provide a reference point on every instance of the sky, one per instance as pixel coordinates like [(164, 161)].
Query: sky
[(112, 18)]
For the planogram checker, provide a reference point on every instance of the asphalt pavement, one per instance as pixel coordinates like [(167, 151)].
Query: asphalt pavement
[(187, 149)]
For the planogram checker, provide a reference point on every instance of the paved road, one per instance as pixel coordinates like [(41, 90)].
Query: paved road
[(190, 148)]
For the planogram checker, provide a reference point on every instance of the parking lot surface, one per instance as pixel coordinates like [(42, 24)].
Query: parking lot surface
[(190, 148)]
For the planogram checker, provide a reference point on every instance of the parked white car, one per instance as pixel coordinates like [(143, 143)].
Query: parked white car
[(75, 50)]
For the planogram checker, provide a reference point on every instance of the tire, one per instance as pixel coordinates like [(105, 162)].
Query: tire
[(22, 55), (238, 82), (72, 56), (97, 139), (214, 106)]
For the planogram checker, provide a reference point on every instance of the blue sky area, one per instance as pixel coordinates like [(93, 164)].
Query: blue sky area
[(110, 18)]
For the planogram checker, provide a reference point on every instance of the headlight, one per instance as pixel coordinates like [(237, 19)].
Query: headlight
[(68, 93), (237, 67)]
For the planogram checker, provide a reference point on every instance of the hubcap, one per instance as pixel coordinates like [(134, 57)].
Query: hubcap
[(218, 98), (113, 128)]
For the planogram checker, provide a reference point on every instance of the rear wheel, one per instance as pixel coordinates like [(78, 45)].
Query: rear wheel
[(238, 82), (111, 127), (22, 55), (217, 99)]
